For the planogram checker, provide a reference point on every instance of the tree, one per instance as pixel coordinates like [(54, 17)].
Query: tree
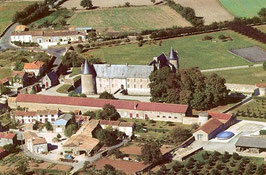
[(11, 148), (106, 95), (80, 48), (48, 126), (32, 91), (150, 152), (179, 134), (72, 59), (86, 4), (108, 113), (70, 130), (153, 1), (107, 137), (22, 168), (4, 89), (58, 136), (262, 12), (261, 170)]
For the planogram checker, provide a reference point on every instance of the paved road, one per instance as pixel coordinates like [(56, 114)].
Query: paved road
[(5, 40), (56, 51)]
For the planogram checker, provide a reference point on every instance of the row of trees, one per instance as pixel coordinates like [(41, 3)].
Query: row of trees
[(248, 31), (31, 13), (187, 86), (187, 12), (107, 113)]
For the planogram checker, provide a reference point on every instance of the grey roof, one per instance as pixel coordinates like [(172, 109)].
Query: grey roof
[(52, 76), (122, 71), (251, 141), (172, 55), (87, 68)]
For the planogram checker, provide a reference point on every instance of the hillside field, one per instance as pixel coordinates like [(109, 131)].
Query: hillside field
[(243, 8), (193, 52), (131, 19), (210, 10), (262, 28), (8, 9), (250, 75)]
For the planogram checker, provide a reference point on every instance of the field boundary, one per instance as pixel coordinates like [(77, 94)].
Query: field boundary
[(3, 33), (219, 2)]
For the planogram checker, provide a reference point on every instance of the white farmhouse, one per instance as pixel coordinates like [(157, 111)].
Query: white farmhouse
[(34, 143)]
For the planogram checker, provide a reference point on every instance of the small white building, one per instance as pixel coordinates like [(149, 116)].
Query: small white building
[(125, 127), (35, 67), (262, 88), (34, 143)]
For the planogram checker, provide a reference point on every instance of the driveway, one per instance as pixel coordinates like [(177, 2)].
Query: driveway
[(5, 40)]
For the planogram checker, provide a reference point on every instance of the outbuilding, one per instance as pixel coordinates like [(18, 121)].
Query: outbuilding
[(253, 144)]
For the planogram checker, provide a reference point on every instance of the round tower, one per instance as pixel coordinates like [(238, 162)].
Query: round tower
[(88, 79), (173, 58), (203, 118)]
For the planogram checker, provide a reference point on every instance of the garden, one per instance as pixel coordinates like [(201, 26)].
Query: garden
[(254, 110), (215, 163)]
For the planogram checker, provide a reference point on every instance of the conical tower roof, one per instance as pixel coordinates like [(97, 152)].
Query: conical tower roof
[(173, 55), (87, 68)]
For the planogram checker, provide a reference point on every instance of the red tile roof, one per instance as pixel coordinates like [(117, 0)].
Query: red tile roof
[(91, 102), (261, 85), (210, 126), (221, 116), (109, 122), (33, 65), (7, 135), (126, 124), (18, 73)]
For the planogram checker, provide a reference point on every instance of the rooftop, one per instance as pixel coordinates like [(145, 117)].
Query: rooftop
[(91, 102), (7, 135), (261, 85), (88, 127), (222, 117), (62, 120), (116, 123), (34, 65), (251, 142), (210, 126)]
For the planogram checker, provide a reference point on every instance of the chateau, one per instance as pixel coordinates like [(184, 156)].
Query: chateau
[(126, 79)]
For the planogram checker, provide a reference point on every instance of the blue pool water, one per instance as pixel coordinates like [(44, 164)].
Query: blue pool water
[(225, 135)]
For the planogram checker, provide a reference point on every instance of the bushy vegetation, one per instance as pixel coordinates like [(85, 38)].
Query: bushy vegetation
[(150, 152), (188, 86), (107, 113), (186, 12), (106, 95), (215, 164), (25, 44)]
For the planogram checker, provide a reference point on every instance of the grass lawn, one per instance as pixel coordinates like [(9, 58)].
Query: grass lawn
[(5, 72), (250, 76), (55, 17), (193, 52), (243, 8), (254, 110), (7, 10), (64, 88), (151, 134), (75, 71), (131, 19), (261, 28)]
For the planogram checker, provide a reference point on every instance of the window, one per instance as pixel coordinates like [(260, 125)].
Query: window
[(140, 86), (137, 115), (40, 115), (158, 116), (130, 115), (46, 115), (169, 117), (53, 119), (163, 116), (52, 115), (146, 116), (175, 117), (134, 86)]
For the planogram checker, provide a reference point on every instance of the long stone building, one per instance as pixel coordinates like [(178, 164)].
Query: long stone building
[(127, 79), (127, 109)]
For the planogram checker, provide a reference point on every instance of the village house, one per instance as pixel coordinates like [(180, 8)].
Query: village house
[(36, 67), (28, 117), (48, 38), (262, 88), (7, 138), (126, 109), (217, 123), (50, 80), (125, 127), (252, 144), (60, 124), (84, 141), (34, 143)]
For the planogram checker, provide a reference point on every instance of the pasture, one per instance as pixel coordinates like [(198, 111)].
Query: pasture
[(7, 11), (250, 75), (210, 10), (243, 8), (131, 19), (261, 28), (193, 52)]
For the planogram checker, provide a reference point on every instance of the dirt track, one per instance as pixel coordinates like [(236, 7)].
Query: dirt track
[(210, 10)]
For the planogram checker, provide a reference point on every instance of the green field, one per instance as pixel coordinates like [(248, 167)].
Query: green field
[(132, 19), (243, 8), (262, 28), (250, 75), (193, 52), (7, 11), (4, 72)]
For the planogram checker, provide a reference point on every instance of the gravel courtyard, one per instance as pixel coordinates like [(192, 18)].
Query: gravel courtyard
[(253, 54)]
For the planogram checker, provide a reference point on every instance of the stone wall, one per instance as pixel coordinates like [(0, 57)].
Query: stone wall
[(190, 120), (241, 88)]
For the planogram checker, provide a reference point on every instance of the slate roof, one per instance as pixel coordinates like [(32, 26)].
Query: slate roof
[(172, 55), (210, 126), (251, 142), (122, 71), (62, 120), (88, 69), (53, 76), (92, 102)]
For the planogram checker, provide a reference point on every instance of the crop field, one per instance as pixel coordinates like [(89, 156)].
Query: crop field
[(210, 10), (7, 10), (193, 52), (132, 19), (250, 76), (243, 8), (262, 28)]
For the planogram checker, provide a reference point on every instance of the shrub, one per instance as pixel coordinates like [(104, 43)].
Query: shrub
[(207, 37), (236, 156)]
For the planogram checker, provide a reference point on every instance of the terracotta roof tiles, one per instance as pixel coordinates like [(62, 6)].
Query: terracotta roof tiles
[(7, 135), (210, 126)]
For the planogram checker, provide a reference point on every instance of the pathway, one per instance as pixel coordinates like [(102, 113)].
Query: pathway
[(5, 40), (231, 68)]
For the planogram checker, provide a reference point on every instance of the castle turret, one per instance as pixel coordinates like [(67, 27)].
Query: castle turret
[(173, 58), (88, 79)]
